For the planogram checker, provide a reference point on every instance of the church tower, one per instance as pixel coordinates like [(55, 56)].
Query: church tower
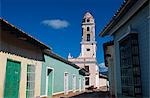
[(88, 43), (87, 57)]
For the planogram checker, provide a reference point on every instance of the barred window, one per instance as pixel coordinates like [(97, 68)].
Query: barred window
[(130, 66), (30, 81)]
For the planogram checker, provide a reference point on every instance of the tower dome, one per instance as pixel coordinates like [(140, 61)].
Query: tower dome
[(88, 15), (88, 18)]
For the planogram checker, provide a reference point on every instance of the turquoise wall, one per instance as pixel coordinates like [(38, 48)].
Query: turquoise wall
[(140, 23), (58, 79)]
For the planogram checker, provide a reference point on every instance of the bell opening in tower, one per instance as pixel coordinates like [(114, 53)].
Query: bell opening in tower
[(88, 37)]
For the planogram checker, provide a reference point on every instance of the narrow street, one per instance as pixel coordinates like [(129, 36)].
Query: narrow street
[(94, 94)]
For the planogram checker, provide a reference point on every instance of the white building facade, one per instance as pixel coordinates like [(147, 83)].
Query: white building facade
[(87, 57)]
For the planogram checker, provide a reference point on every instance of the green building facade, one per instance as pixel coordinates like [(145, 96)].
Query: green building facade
[(53, 80)]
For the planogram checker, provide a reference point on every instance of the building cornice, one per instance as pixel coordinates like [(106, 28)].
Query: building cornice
[(88, 23), (126, 12), (87, 43), (84, 62)]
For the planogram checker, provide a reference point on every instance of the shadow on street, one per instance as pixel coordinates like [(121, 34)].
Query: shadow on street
[(94, 94)]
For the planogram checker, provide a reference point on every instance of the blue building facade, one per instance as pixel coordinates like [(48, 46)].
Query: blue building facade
[(132, 20)]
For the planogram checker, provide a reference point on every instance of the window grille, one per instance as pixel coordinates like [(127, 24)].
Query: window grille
[(30, 81), (130, 66)]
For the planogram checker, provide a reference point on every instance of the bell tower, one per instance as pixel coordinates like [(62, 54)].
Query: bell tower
[(87, 57), (88, 43)]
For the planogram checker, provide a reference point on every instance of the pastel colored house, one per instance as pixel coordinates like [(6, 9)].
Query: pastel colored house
[(60, 77), (20, 63), (130, 30)]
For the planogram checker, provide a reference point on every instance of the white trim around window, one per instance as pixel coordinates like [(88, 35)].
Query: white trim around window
[(66, 83), (46, 89)]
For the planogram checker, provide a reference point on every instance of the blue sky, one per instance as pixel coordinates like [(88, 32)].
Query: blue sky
[(39, 17)]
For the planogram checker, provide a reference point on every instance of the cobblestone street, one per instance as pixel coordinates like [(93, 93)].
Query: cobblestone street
[(94, 94)]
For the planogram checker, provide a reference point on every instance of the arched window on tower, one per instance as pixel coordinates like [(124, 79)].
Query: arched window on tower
[(88, 37), (88, 28), (88, 20)]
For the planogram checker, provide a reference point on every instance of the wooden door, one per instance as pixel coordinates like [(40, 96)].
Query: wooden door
[(12, 79)]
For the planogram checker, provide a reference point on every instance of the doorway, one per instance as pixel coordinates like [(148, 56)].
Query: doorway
[(49, 80), (65, 83), (79, 84), (74, 83), (12, 79)]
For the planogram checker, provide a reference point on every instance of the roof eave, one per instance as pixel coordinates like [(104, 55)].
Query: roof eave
[(53, 55), (102, 34), (119, 14), (22, 33)]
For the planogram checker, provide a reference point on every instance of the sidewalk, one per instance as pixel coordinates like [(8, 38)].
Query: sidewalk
[(98, 93)]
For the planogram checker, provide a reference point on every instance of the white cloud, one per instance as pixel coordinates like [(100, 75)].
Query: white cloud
[(102, 67), (56, 23)]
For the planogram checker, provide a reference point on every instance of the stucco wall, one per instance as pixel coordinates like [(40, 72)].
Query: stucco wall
[(93, 68), (11, 47), (91, 53), (139, 23), (58, 79), (103, 82), (23, 79)]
